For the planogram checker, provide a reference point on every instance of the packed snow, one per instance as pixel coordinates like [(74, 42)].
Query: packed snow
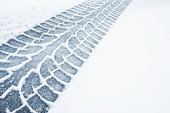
[(127, 73)]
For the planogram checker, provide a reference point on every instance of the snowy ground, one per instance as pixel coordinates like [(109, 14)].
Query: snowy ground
[(16, 16), (129, 70)]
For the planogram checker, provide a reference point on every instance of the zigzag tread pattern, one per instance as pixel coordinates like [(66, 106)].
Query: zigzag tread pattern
[(38, 65)]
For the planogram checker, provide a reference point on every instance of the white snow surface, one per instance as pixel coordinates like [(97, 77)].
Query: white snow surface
[(127, 73), (17, 16)]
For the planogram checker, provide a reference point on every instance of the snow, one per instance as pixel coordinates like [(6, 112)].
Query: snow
[(129, 70), (17, 16), (127, 73)]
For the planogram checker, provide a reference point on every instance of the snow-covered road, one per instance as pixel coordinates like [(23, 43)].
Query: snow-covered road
[(129, 70), (17, 16)]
